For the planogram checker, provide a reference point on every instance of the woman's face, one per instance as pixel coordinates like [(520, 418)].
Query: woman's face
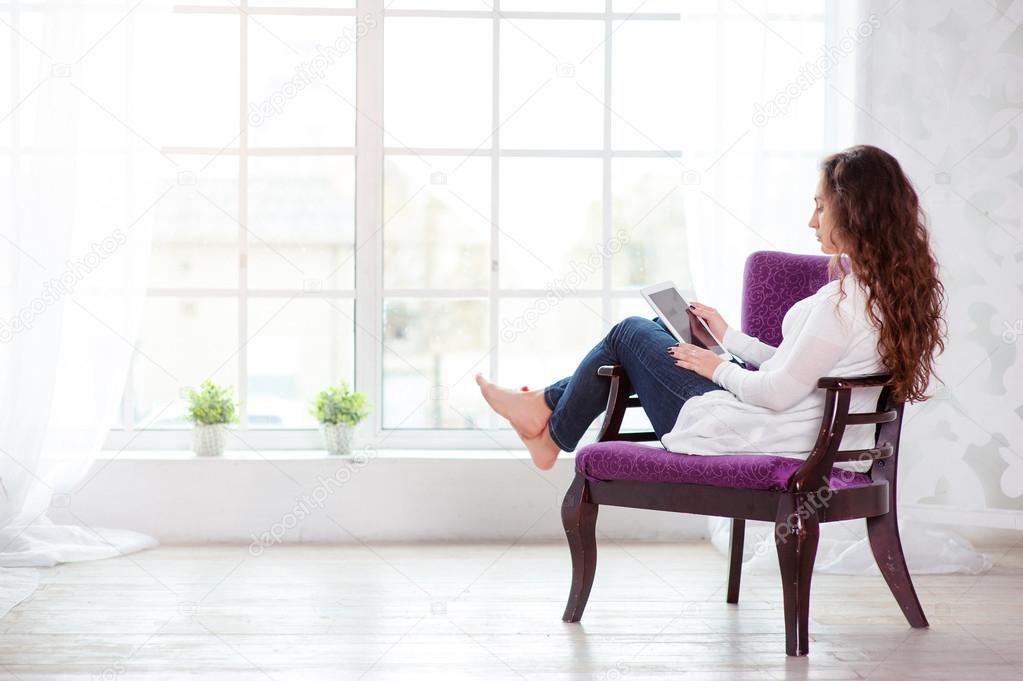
[(821, 222)]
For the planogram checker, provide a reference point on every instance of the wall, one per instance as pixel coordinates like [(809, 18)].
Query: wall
[(310, 497), (941, 87)]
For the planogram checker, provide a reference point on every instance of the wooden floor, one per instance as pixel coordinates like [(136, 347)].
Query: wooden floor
[(490, 612)]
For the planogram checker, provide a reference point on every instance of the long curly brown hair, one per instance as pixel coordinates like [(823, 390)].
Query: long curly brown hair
[(880, 225)]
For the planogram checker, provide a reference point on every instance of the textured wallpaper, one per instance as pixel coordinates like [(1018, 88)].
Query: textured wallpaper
[(940, 85)]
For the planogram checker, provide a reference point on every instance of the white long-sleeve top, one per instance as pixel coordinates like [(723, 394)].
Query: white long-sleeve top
[(778, 409)]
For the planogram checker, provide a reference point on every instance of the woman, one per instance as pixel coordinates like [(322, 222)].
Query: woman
[(884, 313)]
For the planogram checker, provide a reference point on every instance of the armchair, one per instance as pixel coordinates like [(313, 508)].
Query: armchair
[(794, 494)]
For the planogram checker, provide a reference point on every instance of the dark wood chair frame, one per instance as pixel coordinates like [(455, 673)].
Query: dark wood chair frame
[(796, 511)]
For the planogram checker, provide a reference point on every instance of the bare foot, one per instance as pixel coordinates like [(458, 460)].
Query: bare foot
[(542, 448), (526, 411)]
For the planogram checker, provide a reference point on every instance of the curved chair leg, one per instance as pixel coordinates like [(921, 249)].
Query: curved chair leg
[(796, 534), (579, 517), (735, 559), (883, 533), (809, 537)]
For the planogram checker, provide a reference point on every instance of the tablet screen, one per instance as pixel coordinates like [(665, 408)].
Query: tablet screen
[(674, 309)]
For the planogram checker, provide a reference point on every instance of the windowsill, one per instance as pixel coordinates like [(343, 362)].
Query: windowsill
[(316, 455)]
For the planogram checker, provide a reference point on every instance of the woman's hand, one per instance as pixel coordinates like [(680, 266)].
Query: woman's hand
[(711, 316), (687, 356)]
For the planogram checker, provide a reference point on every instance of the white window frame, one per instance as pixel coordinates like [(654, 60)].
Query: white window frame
[(369, 294)]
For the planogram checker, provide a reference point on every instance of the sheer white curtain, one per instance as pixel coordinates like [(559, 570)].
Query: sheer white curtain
[(763, 81), (783, 85), (80, 181)]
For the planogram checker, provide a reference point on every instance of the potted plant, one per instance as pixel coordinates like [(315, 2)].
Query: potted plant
[(210, 408), (339, 410)]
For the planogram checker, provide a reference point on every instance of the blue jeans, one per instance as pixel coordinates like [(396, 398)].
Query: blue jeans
[(641, 346)]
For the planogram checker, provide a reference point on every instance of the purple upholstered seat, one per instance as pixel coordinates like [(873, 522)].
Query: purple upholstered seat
[(621, 460)]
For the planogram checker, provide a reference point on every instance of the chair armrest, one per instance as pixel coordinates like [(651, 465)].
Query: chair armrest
[(816, 470), (864, 381), (618, 400)]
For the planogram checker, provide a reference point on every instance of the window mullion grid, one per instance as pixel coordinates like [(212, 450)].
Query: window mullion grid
[(243, 215), (428, 13), (495, 202), (606, 215), (369, 237), (719, 56), (15, 115), (369, 191), (526, 153), (127, 405)]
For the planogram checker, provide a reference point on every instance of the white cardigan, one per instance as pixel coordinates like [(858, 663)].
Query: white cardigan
[(778, 409)]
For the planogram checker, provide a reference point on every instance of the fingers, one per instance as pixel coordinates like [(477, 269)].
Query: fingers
[(684, 355), (683, 352), (700, 310)]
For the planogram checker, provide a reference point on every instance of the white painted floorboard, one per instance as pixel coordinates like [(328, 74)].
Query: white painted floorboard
[(657, 611)]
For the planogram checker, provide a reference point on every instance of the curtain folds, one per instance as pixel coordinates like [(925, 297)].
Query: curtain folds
[(74, 247)]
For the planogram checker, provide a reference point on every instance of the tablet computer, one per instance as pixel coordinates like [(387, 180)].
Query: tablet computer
[(672, 307)]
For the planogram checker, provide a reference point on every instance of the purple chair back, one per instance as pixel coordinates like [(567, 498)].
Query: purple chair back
[(772, 282)]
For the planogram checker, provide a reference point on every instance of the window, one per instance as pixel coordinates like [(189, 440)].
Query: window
[(253, 267), (402, 196)]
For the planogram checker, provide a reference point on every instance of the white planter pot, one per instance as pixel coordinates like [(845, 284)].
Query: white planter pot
[(337, 438), (208, 439)]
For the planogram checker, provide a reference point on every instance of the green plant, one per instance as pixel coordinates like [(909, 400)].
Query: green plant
[(211, 404), (340, 405)]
